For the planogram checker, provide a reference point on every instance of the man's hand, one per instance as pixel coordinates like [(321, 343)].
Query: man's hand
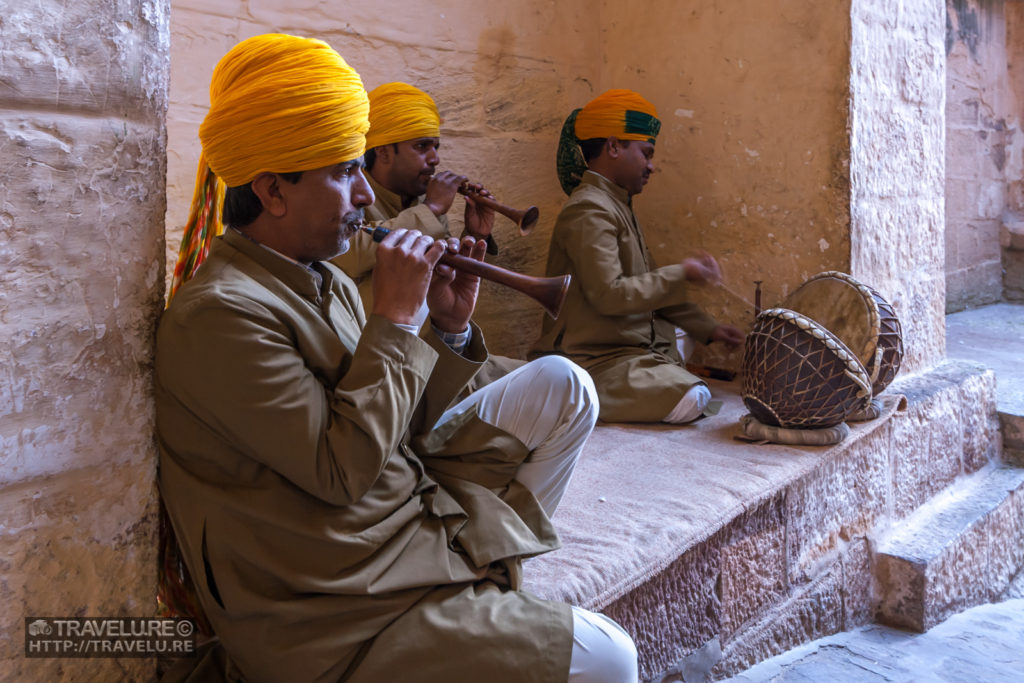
[(702, 268), (479, 218), (401, 278), (441, 191), (452, 293), (728, 334)]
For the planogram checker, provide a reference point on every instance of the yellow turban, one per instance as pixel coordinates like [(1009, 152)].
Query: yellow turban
[(620, 113), (281, 103), (278, 103), (399, 112)]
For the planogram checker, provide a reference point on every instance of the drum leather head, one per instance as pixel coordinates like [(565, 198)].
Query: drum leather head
[(859, 317)]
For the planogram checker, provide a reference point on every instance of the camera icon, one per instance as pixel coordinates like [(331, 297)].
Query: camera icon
[(40, 627)]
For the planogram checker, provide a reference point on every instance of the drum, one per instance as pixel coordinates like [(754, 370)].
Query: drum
[(859, 317), (798, 375)]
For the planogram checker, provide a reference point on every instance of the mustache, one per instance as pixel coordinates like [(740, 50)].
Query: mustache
[(353, 218)]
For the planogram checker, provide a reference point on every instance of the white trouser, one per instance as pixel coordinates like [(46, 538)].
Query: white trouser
[(601, 651), (549, 404), (690, 406)]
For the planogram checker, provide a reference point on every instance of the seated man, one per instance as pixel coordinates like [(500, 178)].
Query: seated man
[(401, 160), (340, 522), (402, 154), (619, 316)]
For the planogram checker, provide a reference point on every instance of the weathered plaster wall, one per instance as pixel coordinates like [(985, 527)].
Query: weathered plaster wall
[(753, 158), (82, 106), (504, 78), (983, 148), (897, 100)]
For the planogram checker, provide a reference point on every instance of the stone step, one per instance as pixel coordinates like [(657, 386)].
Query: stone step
[(959, 550)]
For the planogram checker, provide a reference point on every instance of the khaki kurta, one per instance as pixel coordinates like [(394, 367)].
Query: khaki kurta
[(297, 464), (620, 314)]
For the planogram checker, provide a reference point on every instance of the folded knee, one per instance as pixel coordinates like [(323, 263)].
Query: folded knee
[(577, 383)]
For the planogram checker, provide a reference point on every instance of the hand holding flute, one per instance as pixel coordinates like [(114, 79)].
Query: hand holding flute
[(441, 191), (408, 272), (549, 292)]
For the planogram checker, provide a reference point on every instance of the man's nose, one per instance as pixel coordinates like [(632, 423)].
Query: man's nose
[(362, 193), (433, 158)]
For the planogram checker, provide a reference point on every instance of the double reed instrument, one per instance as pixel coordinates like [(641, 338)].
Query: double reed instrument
[(525, 219), (549, 292)]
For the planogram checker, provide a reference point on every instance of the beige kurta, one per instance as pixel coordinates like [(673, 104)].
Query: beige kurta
[(620, 314), (331, 534)]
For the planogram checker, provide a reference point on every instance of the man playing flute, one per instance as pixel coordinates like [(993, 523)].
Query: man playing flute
[(402, 155), (340, 522)]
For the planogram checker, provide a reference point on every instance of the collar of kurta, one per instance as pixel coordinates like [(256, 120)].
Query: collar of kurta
[(599, 181), (387, 202), (308, 281)]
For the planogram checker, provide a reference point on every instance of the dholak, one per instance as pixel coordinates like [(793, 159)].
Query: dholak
[(798, 375), (859, 317)]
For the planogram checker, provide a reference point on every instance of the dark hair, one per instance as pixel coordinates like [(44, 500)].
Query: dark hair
[(592, 147), (370, 156), (242, 206)]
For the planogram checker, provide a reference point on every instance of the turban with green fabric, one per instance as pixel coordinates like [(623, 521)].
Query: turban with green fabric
[(623, 114)]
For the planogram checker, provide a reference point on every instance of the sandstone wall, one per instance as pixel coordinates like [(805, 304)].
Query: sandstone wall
[(82, 105), (753, 158), (897, 99), (983, 147)]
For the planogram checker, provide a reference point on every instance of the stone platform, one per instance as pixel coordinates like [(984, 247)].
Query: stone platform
[(716, 554)]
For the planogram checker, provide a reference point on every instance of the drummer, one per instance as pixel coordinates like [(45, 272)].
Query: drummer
[(620, 314)]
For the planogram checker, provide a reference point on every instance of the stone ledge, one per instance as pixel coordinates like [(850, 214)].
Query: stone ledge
[(698, 543), (958, 551)]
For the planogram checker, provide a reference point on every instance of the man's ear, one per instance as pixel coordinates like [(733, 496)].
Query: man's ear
[(612, 147), (385, 154), (267, 187)]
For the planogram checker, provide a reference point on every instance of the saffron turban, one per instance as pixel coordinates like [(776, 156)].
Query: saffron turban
[(616, 113), (279, 104), (620, 113), (399, 112)]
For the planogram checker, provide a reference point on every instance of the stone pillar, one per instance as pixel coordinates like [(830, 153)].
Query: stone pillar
[(897, 165), (82, 109)]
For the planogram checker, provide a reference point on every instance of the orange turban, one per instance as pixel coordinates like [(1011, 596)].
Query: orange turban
[(399, 112), (620, 113)]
